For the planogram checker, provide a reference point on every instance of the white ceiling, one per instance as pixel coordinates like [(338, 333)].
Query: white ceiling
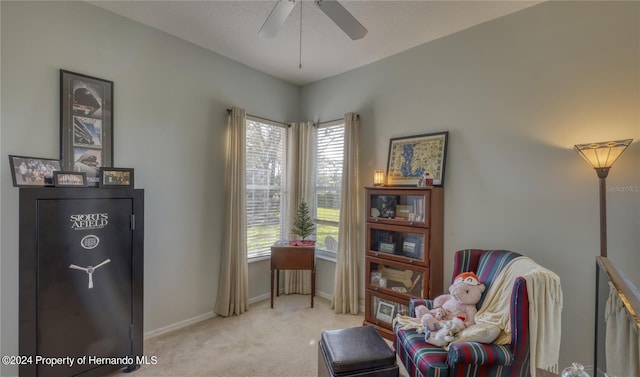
[(230, 29)]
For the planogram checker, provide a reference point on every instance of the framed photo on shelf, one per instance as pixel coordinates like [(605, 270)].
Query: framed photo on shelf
[(69, 179), (408, 247), (387, 247), (386, 206), (32, 171), (385, 311), (410, 157), (412, 246), (403, 211), (116, 177), (375, 277), (86, 124)]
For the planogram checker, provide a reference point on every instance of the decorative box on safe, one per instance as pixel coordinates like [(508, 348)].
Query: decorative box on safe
[(81, 279)]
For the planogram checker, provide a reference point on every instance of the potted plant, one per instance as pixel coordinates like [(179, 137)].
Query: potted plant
[(303, 226)]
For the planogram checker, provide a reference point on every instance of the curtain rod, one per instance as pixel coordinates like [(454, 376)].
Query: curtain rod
[(335, 120), (329, 121), (289, 124), (269, 120)]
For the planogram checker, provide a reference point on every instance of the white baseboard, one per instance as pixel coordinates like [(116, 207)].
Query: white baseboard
[(324, 295), (265, 296), (203, 317), (330, 298), (178, 325)]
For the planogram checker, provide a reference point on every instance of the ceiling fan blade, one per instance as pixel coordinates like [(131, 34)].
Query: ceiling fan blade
[(276, 18), (342, 18)]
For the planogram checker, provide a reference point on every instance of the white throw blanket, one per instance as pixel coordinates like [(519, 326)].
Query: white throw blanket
[(408, 323), (545, 308)]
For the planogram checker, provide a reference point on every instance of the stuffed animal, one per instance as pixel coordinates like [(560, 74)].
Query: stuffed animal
[(446, 334), (440, 314), (465, 293)]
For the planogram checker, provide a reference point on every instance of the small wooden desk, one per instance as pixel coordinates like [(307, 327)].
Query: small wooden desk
[(293, 258)]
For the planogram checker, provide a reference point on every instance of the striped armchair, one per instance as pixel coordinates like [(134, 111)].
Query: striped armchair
[(422, 359)]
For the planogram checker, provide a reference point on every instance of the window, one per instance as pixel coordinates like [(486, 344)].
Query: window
[(328, 182), (266, 172)]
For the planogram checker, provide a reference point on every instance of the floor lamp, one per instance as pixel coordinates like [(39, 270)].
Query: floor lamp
[(602, 156)]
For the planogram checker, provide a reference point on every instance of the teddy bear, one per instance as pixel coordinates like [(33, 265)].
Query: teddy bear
[(446, 334), (440, 314), (464, 294)]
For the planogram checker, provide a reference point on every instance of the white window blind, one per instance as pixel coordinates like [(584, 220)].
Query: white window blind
[(266, 172), (328, 185)]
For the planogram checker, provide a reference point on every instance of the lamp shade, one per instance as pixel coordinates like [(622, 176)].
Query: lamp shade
[(603, 154), (378, 177)]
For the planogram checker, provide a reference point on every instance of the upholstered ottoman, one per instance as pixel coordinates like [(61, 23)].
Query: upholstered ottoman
[(355, 352)]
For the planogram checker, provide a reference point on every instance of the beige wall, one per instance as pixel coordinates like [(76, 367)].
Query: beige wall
[(170, 120), (516, 94)]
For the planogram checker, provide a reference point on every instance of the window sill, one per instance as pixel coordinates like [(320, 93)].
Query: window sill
[(330, 256), (259, 258)]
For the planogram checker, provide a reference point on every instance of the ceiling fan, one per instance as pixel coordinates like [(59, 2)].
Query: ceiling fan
[(331, 8)]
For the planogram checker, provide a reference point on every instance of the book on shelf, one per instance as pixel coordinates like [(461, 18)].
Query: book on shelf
[(418, 208)]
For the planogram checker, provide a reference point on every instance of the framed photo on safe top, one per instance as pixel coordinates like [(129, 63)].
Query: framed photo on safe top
[(411, 157), (69, 179), (32, 171), (86, 124), (116, 177)]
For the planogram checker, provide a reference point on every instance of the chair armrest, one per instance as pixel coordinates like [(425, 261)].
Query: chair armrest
[(478, 354), (417, 302)]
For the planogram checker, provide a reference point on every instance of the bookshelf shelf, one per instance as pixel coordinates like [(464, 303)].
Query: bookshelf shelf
[(403, 251)]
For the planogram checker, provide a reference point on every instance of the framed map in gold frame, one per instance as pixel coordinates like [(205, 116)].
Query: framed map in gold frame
[(410, 157)]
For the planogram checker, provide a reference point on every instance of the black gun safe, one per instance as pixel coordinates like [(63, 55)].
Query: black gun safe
[(81, 280)]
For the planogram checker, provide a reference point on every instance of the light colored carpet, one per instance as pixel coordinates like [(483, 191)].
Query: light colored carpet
[(282, 341)]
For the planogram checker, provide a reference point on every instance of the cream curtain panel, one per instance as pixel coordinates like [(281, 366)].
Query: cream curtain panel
[(346, 288), (233, 284), (300, 186), (622, 338)]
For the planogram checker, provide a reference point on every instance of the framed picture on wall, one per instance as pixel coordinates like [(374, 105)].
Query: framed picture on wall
[(410, 157), (86, 124), (32, 171)]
